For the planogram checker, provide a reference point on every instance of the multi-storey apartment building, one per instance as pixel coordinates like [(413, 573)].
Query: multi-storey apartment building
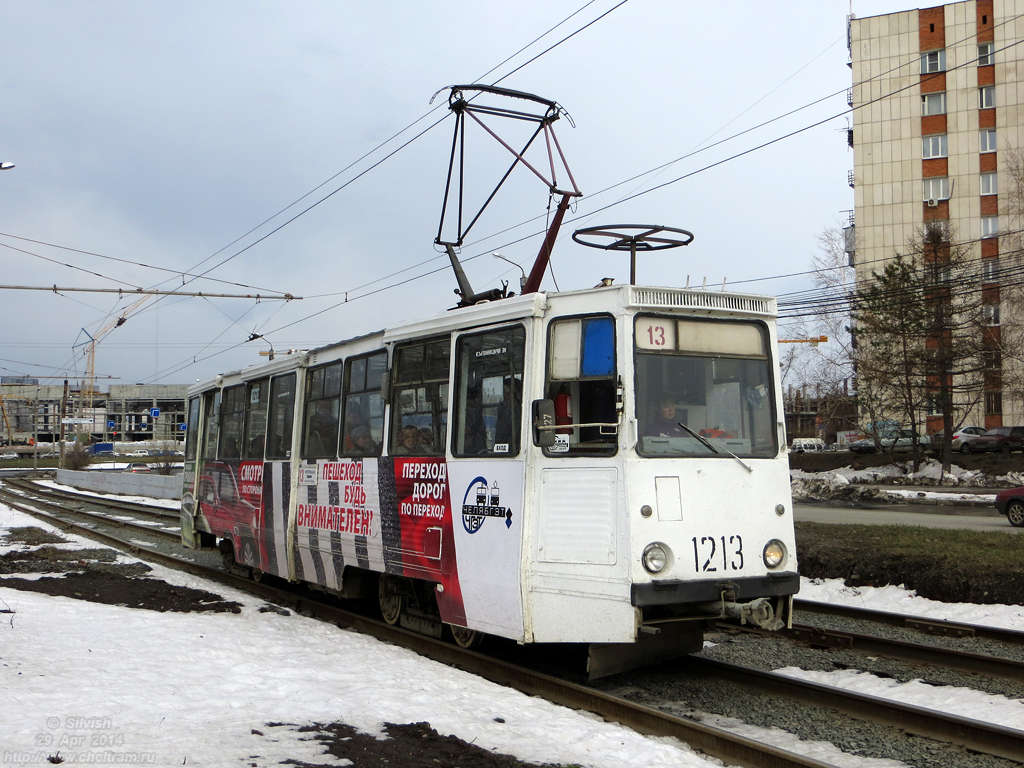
[(938, 97)]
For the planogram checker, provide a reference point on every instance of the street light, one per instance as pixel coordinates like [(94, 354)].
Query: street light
[(5, 166)]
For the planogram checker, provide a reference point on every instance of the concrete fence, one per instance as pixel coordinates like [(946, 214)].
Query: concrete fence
[(125, 483)]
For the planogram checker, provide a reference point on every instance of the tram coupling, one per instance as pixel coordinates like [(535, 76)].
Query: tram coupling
[(760, 612)]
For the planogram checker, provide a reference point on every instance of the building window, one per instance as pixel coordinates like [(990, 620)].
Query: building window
[(933, 61), (990, 314), (989, 184), (986, 97), (989, 226), (934, 146), (936, 188), (988, 140), (985, 54), (990, 270), (992, 359), (933, 104), (993, 403)]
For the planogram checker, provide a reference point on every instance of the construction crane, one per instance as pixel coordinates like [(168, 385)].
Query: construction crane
[(7, 423), (89, 382), (813, 340)]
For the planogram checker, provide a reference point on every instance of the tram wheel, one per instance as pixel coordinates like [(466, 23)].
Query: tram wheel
[(1015, 513), (465, 638), (389, 597)]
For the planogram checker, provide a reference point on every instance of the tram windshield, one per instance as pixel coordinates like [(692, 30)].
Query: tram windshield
[(714, 377)]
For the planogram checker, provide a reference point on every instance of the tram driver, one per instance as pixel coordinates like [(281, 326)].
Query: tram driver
[(666, 423)]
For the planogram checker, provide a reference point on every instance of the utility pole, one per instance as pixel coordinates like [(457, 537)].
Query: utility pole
[(35, 431), (63, 410)]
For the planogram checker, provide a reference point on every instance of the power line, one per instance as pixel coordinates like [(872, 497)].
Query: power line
[(134, 263), (348, 298)]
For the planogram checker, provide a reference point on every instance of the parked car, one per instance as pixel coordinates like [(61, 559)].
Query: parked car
[(8, 455), (899, 440), (137, 467), (137, 453), (1011, 503), (961, 437), (1003, 439), (807, 444)]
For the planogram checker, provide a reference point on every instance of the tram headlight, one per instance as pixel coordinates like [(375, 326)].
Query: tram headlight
[(774, 553), (655, 557)]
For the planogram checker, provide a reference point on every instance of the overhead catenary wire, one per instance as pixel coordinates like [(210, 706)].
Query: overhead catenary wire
[(349, 297), (405, 144), (667, 164)]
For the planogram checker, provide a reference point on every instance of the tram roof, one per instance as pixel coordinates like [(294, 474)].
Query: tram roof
[(632, 297)]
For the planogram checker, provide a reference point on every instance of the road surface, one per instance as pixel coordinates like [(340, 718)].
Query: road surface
[(967, 517)]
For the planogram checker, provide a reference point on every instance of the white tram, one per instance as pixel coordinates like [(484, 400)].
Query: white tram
[(603, 466)]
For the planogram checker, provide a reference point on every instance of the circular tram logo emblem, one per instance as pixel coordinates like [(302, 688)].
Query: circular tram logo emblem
[(480, 502)]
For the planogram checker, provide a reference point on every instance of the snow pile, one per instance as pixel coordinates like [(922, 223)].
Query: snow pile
[(829, 486), (931, 473), (849, 484)]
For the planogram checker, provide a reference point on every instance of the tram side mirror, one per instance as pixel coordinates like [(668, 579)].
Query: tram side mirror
[(543, 416), (385, 386)]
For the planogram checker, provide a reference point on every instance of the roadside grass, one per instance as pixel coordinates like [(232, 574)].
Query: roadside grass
[(946, 565)]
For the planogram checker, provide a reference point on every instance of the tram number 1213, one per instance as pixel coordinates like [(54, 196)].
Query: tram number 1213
[(706, 553)]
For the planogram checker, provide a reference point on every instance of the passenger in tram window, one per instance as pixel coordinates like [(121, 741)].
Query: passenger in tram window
[(426, 440), (355, 421), (666, 423), (408, 441), (362, 442)]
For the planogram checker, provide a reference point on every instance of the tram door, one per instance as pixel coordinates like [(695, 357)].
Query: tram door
[(578, 579), (274, 406), (487, 470), (189, 535)]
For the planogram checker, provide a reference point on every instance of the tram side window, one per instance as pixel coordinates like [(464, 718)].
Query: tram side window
[(256, 420), (282, 407), (192, 429), (363, 434), (582, 375), (323, 404), (232, 422), (489, 393), (419, 398), (211, 423)]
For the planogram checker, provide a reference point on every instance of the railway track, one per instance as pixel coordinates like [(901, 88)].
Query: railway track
[(920, 624), (65, 507), (914, 653), (971, 734)]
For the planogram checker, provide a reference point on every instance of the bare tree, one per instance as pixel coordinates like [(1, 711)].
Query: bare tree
[(920, 321)]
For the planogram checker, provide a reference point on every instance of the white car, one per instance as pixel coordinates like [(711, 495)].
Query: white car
[(137, 453), (8, 455)]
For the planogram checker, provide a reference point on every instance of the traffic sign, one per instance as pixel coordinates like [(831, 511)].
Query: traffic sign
[(111, 424), (154, 412), (182, 427)]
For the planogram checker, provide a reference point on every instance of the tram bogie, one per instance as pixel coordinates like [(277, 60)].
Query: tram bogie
[(603, 466)]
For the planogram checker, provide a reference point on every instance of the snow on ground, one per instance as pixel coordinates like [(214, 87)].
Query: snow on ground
[(985, 499), (896, 599), (929, 473), (950, 699), (174, 504), (190, 688)]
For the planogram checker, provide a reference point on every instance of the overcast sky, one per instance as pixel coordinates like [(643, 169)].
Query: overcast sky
[(160, 133)]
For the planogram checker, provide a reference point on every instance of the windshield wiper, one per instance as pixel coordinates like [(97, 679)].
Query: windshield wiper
[(705, 441)]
